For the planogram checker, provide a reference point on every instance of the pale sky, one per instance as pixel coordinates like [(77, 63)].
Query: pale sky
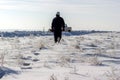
[(79, 14)]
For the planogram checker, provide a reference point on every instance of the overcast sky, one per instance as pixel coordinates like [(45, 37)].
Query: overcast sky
[(79, 14)]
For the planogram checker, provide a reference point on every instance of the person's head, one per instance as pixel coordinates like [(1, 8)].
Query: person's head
[(57, 14)]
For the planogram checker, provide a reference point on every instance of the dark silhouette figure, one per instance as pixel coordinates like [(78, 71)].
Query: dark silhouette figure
[(58, 25)]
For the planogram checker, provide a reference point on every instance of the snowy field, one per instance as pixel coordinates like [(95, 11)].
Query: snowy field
[(85, 57)]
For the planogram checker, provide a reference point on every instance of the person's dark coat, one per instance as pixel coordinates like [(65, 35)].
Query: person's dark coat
[(58, 24)]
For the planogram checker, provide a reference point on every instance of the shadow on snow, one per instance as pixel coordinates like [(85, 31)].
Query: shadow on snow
[(7, 71), (102, 55), (116, 61)]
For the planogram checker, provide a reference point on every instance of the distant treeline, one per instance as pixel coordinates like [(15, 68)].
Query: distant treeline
[(43, 33), (20, 33)]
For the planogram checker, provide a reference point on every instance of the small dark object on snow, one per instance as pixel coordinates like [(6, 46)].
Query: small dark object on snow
[(35, 60), (26, 64), (36, 54)]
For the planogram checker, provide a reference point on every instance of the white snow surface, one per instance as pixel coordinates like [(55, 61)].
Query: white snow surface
[(85, 57)]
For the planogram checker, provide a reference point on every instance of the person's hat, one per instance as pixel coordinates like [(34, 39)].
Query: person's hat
[(58, 13)]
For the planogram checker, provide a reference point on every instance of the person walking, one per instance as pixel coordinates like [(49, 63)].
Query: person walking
[(58, 25)]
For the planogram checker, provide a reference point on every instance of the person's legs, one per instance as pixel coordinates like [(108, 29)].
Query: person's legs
[(59, 36), (55, 37)]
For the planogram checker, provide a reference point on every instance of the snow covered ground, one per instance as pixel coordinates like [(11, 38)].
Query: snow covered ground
[(85, 57)]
